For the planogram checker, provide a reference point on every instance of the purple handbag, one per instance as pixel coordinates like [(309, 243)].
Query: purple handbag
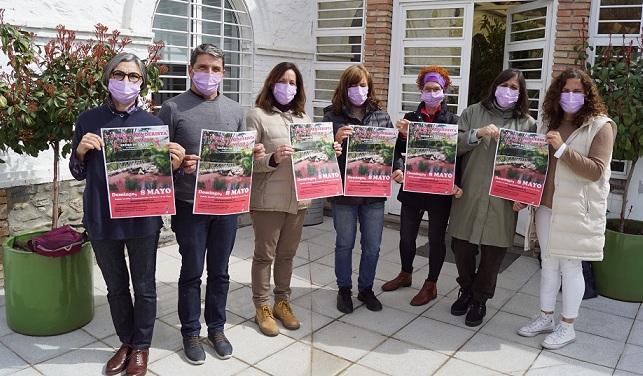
[(59, 242)]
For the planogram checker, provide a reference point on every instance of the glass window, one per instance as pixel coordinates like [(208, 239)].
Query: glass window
[(620, 17), (435, 23)]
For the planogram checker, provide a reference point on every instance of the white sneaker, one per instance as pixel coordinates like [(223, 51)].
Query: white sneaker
[(563, 334), (543, 323)]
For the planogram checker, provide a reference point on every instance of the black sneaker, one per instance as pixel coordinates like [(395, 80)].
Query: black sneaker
[(222, 347), (476, 313), (344, 300), (193, 350), (368, 297), (461, 305)]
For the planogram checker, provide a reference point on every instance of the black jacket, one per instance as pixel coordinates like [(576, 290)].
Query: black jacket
[(373, 118), (413, 198)]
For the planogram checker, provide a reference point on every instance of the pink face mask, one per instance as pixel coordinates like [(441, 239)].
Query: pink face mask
[(206, 83), (123, 92), (284, 93), (432, 98), (572, 102), (357, 95), (506, 97)]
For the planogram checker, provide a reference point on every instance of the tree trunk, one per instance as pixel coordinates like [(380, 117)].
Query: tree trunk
[(627, 188), (56, 189)]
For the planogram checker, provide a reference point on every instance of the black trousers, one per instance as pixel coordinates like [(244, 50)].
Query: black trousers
[(481, 282), (438, 209)]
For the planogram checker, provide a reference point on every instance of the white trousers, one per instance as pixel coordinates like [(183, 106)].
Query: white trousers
[(553, 268)]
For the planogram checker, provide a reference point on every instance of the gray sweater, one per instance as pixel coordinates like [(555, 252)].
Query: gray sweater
[(186, 115)]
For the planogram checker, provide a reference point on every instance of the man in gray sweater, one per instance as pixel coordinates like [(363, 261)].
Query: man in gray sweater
[(202, 238)]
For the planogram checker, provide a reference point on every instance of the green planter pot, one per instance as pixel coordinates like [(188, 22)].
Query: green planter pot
[(619, 275), (44, 295)]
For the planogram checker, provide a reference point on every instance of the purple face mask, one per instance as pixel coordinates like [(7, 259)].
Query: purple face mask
[(432, 98), (506, 97), (123, 92), (206, 83), (284, 93), (572, 102), (357, 95)]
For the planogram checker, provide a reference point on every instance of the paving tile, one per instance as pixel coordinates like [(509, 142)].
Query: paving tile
[(441, 311), (25, 372), (326, 240), (313, 251), (345, 341), (400, 358), (612, 306), (101, 325), (636, 335), (251, 371), (505, 325), (241, 272), (10, 362), (549, 363), (387, 321), (240, 303), (168, 271), (246, 232), (300, 287), (434, 335), (167, 299), (38, 349), (523, 304), (175, 364), (500, 297), (632, 359), (329, 260), (387, 270), (251, 346), (401, 298), (99, 282), (2, 296), (619, 372), (172, 319), (358, 370), (310, 232), (603, 324), (4, 328), (390, 240), (497, 354), (316, 273), (88, 360), (532, 287), (302, 360), (593, 349), (640, 314), (310, 322), (458, 367), (244, 248), (323, 300), (100, 297)]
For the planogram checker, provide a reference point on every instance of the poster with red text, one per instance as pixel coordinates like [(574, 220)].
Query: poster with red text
[(430, 158), (520, 168), (314, 163), (138, 171), (369, 161), (224, 173)]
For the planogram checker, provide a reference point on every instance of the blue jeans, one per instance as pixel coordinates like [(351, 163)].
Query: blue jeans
[(203, 238), (371, 222), (133, 321)]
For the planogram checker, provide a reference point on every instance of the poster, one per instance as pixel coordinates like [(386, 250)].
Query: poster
[(369, 161), (314, 163), (520, 167), (224, 173), (430, 158), (138, 171)]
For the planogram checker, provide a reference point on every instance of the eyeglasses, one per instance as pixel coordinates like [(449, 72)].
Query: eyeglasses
[(132, 76)]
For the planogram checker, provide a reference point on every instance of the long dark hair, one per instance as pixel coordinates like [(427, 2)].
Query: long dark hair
[(351, 77), (522, 106), (266, 100), (553, 113)]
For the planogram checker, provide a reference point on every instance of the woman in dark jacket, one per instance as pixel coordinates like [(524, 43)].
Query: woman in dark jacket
[(432, 81), (354, 103)]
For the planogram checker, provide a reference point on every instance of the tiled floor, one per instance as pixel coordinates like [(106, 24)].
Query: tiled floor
[(399, 340)]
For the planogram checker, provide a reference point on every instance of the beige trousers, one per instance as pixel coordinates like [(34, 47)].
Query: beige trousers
[(277, 236)]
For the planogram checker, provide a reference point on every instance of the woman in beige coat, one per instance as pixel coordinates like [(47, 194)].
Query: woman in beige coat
[(570, 223), (277, 216)]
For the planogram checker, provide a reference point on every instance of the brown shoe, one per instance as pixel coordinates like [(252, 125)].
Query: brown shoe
[(117, 363), (283, 311), (137, 365), (427, 293), (402, 280), (266, 321)]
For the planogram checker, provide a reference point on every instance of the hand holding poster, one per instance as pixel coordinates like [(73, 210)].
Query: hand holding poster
[(430, 158), (224, 174), (521, 167), (369, 161), (139, 171), (314, 162)]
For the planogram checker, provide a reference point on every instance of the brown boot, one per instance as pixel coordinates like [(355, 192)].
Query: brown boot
[(137, 365), (117, 363), (283, 311), (266, 321), (427, 293), (402, 280)]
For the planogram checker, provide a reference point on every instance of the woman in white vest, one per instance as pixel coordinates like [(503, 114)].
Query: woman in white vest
[(570, 223)]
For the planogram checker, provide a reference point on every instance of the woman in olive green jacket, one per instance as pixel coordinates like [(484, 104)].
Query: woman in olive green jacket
[(479, 221)]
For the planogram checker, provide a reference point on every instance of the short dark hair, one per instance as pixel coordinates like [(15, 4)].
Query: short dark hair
[(207, 49), (266, 99), (522, 106)]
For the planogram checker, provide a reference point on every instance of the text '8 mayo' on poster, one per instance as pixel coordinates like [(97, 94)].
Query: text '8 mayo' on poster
[(430, 158), (224, 173), (520, 168), (314, 163), (138, 169), (369, 161)]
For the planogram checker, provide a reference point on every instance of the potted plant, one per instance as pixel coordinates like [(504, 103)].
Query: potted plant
[(41, 96), (618, 73)]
